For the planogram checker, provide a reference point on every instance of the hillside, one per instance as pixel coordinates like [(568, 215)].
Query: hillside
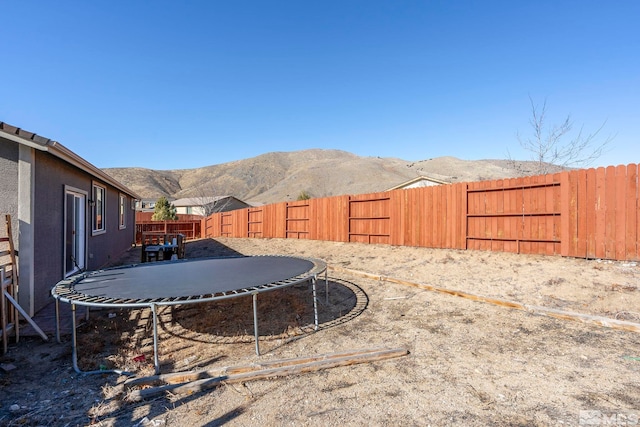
[(281, 176)]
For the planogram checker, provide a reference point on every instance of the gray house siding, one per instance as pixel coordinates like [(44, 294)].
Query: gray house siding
[(114, 241), (51, 178), (9, 185), (48, 223)]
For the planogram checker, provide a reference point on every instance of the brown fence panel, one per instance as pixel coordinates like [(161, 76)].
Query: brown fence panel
[(610, 212), (588, 201), (411, 215), (632, 216), (297, 220), (426, 204), (255, 222), (226, 224), (600, 209), (519, 215), (583, 217), (436, 211), (369, 218), (240, 222), (329, 218), (621, 210), (605, 213), (210, 229), (273, 220), (453, 214), (396, 207)]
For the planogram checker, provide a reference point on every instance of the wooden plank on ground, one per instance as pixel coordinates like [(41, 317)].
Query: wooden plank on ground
[(543, 311), (179, 383)]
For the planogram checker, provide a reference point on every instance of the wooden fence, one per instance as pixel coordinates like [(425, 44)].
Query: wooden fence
[(190, 228), (587, 213), (148, 216)]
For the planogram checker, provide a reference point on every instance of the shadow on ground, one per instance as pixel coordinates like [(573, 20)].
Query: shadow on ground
[(199, 248), (115, 337), (282, 313)]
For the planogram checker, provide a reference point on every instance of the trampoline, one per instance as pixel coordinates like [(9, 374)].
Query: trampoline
[(183, 282)]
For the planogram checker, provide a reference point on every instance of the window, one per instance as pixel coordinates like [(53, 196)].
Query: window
[(99, 203), (122, 222)]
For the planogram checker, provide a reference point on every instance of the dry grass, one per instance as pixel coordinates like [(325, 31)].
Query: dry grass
[(470, 364)]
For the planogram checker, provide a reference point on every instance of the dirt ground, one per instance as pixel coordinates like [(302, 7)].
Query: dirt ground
[(470, 363)]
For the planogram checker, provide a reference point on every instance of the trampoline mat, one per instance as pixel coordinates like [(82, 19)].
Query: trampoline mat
[(191, 277)]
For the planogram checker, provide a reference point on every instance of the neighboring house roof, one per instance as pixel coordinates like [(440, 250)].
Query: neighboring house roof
[(199, 201), (40, 143), (420, 181)]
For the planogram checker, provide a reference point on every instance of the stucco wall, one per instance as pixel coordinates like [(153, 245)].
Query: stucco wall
[(9, 187), (103, 247), (51, 177)]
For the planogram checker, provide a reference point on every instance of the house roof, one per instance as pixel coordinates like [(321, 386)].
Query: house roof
[(199, 201), (41, 143), (417, 179)]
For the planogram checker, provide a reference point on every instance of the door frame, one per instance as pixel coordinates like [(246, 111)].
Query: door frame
[(75, 261)]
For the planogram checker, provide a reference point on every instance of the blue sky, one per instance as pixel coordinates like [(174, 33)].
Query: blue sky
[(173, 85)]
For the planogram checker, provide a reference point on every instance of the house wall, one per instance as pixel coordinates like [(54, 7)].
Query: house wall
[(224, 205), (51, 177), (103, 247), (419, 184), (9, 153), (189, 210)]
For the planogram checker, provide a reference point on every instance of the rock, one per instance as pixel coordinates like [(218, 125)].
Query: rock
[(7, 367)]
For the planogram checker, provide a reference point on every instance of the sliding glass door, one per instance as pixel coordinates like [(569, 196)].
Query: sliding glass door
[(75, 232)]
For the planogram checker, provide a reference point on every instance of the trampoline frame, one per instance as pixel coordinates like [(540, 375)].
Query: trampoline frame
[(64, 292)]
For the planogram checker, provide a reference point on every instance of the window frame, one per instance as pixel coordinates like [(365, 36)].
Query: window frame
[(122, 211), (98, 207)]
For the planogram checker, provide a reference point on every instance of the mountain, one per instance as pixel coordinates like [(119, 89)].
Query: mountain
[(282, 176)]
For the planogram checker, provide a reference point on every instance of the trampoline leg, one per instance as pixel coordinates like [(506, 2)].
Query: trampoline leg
[(255, 322), (326, 288), (315, 301), (74, 340), (74, 351), (58, 321), (156, 359)]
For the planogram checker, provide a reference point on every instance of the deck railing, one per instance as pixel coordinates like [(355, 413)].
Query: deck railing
[(191, 229)]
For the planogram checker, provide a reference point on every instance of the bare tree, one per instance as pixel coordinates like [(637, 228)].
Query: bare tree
[(557, 146), (210, 200)]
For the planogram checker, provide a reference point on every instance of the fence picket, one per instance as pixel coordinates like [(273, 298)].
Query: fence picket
[(620, 214), (632, 218)]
